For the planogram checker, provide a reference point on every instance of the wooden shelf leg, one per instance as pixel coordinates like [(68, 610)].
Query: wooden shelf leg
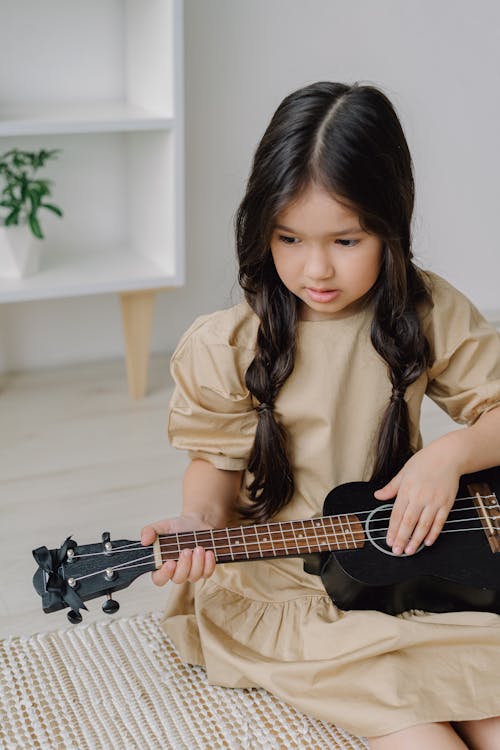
[(137, 317)]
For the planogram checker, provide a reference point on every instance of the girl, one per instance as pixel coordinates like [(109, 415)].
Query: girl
[(315, 380)]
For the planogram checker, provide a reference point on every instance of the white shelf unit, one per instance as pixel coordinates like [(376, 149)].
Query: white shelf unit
[(103, 82)]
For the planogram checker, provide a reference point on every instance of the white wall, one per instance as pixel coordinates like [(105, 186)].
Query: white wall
[(438, 60)]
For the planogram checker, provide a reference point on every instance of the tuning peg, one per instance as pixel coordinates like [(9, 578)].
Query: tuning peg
[(74, 617), (110, 606), (106, 542)]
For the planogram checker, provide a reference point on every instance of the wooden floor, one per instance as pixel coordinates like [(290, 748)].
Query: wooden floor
[(78, 457)]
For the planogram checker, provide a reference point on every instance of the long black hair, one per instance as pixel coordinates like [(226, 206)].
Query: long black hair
[(348, 140)]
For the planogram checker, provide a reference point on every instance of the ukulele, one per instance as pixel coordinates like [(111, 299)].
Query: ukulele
[(346, 546)]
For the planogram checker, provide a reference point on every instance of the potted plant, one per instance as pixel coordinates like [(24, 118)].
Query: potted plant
[(23, 195)]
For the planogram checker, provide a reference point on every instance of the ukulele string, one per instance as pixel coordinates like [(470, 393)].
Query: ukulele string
[(239, 531), (326, 538), (115, 550), (128, 566), (147, 559), (305, 544), (335, 530), (123, 566)]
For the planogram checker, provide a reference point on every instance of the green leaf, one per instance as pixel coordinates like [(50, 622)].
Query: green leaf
[(19, 160), (12, 219), (33, 192), (52, 208), (35, 204), (43, 187), (35, 226)]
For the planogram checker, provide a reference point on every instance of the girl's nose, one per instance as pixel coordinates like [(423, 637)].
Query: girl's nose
[(318, 264)]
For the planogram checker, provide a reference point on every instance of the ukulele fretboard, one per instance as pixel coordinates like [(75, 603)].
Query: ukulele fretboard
[(267, 540)]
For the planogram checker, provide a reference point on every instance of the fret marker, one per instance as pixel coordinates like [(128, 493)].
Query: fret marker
[(265, 539), (237, 541)]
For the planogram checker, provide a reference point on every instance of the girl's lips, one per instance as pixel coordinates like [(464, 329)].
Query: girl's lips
[(322, 295)]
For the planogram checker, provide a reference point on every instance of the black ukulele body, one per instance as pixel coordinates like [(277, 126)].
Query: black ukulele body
[(460, 571)]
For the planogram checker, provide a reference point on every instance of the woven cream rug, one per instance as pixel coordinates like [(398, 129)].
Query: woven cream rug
[(120, 684)]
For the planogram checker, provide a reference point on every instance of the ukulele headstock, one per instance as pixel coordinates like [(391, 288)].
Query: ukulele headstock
[(73, 574)]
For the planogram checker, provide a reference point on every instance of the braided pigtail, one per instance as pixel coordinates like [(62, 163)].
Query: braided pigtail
[(283, 167), (397, 336), (272, 485), (346, 139)]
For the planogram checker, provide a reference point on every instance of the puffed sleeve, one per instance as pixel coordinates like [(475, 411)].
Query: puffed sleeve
[(211, 414), (464, 378)]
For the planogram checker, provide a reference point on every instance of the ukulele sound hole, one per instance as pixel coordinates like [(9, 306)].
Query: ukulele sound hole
[(376, 526)]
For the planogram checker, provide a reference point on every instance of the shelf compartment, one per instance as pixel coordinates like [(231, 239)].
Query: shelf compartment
[(114, 51), (117, 190)]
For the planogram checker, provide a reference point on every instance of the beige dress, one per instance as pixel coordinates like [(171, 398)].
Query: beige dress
[(270, 624)]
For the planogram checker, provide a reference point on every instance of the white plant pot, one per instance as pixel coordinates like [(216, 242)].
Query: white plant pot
[(19, 252)]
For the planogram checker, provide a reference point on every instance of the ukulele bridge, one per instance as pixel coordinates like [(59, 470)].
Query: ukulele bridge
[(488, 510)]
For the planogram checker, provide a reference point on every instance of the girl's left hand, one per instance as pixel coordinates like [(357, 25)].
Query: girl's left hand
[(425, 490)]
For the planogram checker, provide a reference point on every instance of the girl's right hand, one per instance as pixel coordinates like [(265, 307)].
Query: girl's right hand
[(192, 564)]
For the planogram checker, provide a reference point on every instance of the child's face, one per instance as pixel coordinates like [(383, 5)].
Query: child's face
[(323, 256)]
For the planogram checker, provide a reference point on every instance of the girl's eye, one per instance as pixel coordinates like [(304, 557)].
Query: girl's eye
[(348, 243), (287, 240)]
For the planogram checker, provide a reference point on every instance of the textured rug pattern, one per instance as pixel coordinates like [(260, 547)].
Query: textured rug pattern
[(120, 684)]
